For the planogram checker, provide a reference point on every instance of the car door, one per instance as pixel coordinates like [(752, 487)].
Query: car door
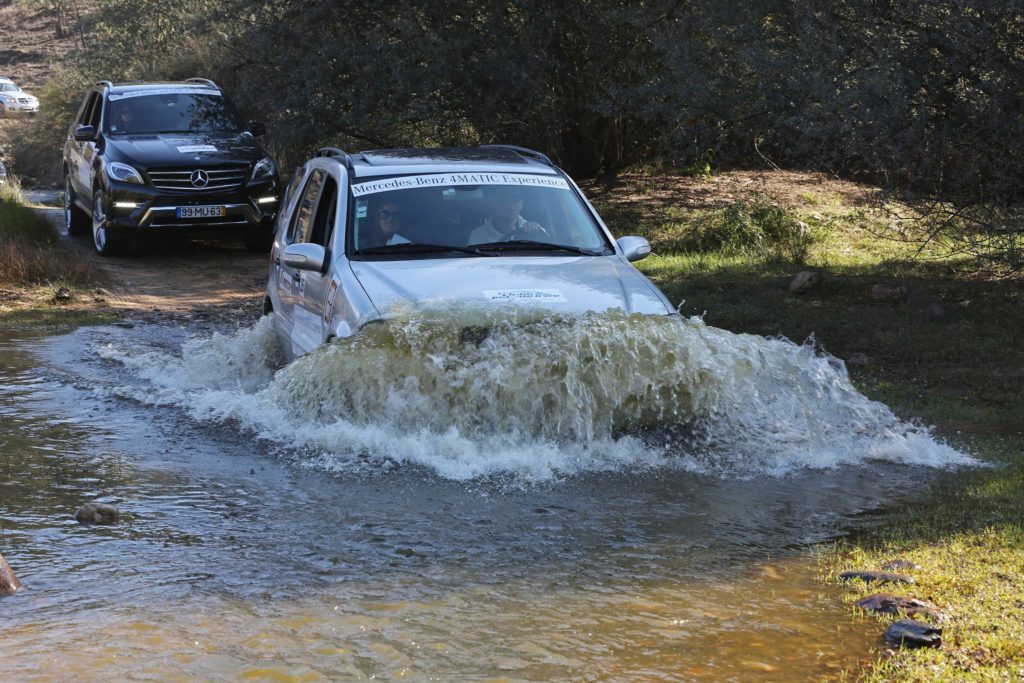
[(290, 283), (311, 294), (86, 165), (77, 170)]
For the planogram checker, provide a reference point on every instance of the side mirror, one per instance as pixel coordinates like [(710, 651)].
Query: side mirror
[(305, 257), (85, 134), (634, 248), (257, 128)]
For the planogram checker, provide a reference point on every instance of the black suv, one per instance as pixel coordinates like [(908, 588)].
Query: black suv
[(155, 157)]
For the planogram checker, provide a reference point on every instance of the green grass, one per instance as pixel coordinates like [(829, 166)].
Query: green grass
[(961, 372), (54, 319), (967, 536)]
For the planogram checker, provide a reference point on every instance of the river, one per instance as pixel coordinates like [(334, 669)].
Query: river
[(265, 535)]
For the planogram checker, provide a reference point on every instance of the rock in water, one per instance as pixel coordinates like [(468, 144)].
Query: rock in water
[(875, 577), (97, 513), (911, 634), (805, 282), (9, 583), (884, 603)]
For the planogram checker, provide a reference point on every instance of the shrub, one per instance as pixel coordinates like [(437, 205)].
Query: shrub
[(760, 229)]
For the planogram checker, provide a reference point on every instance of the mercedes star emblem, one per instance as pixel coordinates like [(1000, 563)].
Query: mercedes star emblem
[(200, 178)]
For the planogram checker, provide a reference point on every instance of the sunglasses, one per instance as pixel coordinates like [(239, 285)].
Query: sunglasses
[(385, 213)]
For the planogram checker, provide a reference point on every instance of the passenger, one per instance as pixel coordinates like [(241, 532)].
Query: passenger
[(504, 222), (385, 226)]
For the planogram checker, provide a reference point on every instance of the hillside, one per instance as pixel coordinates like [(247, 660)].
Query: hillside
[(29, 50), (29, 44)]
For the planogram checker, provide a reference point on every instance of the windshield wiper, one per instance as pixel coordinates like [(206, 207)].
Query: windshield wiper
[(533, 245), (418, 248)]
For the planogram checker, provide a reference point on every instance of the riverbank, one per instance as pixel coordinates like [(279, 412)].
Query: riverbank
[(935, 338), (63, 283)]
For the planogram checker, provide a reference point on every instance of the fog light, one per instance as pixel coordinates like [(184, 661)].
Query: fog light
[(125, 205), (266, 200)]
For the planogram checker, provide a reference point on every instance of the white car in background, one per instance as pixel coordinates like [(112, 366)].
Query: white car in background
[(15, 100), (334, 268)]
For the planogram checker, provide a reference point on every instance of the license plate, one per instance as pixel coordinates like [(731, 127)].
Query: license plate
[(201, 211)]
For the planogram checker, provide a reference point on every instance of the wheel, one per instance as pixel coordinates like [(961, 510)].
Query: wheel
[(258, 239), (75, 220), (3, 110), (105, 244)]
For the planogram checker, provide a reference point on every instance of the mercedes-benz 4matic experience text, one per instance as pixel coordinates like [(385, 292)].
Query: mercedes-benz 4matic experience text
[(490, 226), (147, 158)]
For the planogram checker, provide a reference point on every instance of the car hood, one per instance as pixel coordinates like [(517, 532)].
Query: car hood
[(572, 284), (184, 150)]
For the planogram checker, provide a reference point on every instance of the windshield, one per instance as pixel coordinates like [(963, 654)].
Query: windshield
[(480, 214), (140, 113), (8, 87)]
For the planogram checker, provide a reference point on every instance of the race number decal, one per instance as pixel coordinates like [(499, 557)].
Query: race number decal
[(332, 291)]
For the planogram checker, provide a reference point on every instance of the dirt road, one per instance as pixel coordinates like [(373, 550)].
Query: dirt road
[(175, 275)]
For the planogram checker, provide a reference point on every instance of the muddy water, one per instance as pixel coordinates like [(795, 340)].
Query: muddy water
[(237, 560)]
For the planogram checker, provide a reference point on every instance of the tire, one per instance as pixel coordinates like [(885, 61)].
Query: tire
[(104, 243), (3, 110), (76, 221), (258, 239)]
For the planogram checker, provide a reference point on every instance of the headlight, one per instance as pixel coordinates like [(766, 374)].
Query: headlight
[(264, 168), (123, 173)]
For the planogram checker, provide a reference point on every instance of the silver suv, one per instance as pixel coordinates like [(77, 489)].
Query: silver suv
[(490, 226), (15, 100)]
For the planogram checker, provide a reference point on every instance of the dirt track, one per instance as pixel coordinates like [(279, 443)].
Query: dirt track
[(175, 275)]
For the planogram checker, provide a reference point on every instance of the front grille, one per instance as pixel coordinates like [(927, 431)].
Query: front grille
[(222, 177)]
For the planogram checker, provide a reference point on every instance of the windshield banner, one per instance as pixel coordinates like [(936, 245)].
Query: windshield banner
[(454, 179), (165, 91)]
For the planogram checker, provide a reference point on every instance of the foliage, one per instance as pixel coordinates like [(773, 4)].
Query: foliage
[(762, 229), (925, 96)]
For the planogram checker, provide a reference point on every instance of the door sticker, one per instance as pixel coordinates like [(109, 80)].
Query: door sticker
[(332, 290)]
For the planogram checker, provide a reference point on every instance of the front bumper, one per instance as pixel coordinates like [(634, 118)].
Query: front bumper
[(21, 107), (137, 208)]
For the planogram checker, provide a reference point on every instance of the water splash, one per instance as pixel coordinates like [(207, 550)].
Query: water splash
[(534, 395)]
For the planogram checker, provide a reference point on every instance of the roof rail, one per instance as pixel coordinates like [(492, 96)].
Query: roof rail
[(204, 81), (106, 83), (525, 151), (336, 152)]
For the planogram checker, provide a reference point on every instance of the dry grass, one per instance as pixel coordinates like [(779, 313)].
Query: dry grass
[(27, 256)]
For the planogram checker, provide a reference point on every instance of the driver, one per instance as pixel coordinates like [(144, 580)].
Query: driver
[(126, 118), (504, 222)]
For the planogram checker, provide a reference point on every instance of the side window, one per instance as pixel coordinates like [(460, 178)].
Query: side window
[(286, 198), (87, 106), (95, 111), (326, 210), (304, 211)]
